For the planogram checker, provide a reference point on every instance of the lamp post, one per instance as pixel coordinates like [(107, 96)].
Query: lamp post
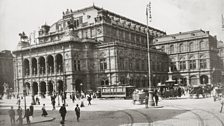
[(151, 102), (58, 94), (81, 87), (24, 95)]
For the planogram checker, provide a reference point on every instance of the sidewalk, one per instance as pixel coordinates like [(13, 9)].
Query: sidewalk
[(5, 121)]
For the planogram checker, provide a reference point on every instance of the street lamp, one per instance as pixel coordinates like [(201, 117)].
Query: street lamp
[(151, 102), (24, 94)]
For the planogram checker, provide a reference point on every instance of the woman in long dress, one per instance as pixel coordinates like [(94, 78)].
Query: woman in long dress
[(44, 112)]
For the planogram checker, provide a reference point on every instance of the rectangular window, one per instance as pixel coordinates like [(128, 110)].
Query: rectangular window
[(75, 65), (182, 65), (203, 64), (103, 64), (130, 64), (192, 64), (79, 67)]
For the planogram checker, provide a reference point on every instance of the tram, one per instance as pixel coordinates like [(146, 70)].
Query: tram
[(116, 91)]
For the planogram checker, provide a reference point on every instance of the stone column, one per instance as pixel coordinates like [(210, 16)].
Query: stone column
[(38, 67), (197, 64), (188, 80), (30, 67), (209, 79), (31, 88), (39, 88), (47, 88), (198, 78), (46, 66), (55, 65)]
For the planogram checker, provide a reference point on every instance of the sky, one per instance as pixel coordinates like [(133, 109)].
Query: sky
[(171, 16)]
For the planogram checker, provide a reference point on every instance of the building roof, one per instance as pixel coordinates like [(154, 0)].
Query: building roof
[(182, 36)]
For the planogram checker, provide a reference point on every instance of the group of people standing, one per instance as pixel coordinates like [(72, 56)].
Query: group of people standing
[(27, 115), (63, 113)]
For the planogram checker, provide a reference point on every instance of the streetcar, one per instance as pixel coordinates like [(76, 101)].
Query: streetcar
[(116, 91)]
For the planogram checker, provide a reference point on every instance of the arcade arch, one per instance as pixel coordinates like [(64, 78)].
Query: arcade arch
[(50, 64), (35, 88), (34, 66), (50, 87), (78, 85), (193, 80), (204, 79), (42, 65), (59, 61), (60, 86), (43, 87), (26, 66)]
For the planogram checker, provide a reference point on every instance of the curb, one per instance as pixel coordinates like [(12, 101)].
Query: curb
[(41, 121)]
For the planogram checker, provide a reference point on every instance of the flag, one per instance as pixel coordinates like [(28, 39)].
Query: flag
[(148, 11), (222, 22)]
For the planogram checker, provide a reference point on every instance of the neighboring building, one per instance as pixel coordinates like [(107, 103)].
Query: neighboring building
[(86, 49), (193, 57), (221, 58), (6, 69)]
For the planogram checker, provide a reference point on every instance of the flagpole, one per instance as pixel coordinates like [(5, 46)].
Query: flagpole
[(222, 20), (148, 12)]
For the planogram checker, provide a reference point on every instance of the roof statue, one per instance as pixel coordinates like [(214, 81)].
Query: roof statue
[(23, 36)]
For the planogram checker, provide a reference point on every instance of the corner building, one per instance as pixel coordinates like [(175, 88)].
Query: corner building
[(86, 49), (193, 57)]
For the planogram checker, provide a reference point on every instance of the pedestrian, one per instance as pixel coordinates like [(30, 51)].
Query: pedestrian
[(73, 97), (44, 112), (222, 103), (12, 116), (77, 112), (27, 116), (146, 101), (18, 101), (37, 100), (31, 110), (156, 97), (53, 101), (63, 112), (89, 100), (20, 118)]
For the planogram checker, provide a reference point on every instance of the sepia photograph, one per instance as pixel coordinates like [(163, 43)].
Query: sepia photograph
[(112, 63)]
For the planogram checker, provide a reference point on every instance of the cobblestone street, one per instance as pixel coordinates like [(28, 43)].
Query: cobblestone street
[(175, 112)]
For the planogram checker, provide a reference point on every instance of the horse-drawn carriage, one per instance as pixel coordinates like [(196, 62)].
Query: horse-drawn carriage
[(197, 90)]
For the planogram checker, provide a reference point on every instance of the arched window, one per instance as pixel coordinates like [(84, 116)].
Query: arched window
[(203, 62), (192, 62), (191, 47), (171, 49), (182, 63), (181, 48), (202, 45)]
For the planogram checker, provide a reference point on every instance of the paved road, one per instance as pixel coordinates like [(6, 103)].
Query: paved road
[(175, 112)]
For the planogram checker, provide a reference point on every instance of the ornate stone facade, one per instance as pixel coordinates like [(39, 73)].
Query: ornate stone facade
[(86, 49), (193, 57)]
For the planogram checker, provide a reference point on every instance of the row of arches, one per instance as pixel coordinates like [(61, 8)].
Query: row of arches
[(183, 47), (203, 79), (51, 87), (44, 87), (43, 65)]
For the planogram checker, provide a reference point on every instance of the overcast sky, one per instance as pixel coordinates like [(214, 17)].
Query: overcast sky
[(171, 16)]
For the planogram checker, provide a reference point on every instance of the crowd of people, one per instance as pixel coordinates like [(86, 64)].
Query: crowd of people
[(29, 112)]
